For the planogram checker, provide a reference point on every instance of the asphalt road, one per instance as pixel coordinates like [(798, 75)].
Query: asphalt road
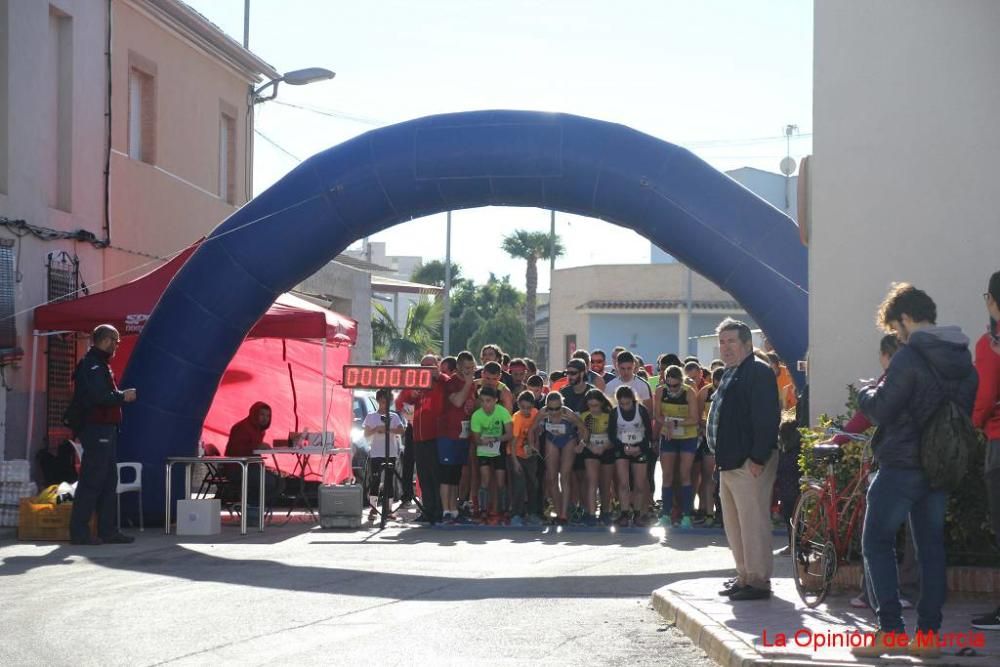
[(301, 595)]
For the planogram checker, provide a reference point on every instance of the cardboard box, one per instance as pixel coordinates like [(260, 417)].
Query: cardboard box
[(199, 517)]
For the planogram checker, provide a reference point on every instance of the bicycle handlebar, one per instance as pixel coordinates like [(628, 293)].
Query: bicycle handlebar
[(857, 437)]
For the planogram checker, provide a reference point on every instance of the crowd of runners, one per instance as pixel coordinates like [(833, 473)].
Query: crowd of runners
[(499, 442)]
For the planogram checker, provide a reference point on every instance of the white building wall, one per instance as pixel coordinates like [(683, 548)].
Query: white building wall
[(30, 105), (904, 177)]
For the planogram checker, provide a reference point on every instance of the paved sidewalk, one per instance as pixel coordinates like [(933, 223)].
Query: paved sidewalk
[(733, 633)]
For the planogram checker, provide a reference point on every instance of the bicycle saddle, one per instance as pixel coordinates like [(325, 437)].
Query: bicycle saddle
[(827, 452)]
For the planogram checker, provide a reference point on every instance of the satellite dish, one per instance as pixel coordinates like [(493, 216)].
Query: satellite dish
[(787, 166)]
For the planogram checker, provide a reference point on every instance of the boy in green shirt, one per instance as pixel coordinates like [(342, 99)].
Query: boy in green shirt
[(492, 428)]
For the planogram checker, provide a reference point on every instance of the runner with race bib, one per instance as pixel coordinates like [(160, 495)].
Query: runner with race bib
[(562, 432), (599, 457), (492, 429), (630, 429)]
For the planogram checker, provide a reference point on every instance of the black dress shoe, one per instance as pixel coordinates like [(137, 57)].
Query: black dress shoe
[(751, 593), (730, 587), (119, 538), (87, 542)]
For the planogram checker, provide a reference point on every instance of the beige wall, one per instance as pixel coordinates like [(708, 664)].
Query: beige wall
[(904, 177), (31, 106), (53, 147), (574, 287), (162, 207)]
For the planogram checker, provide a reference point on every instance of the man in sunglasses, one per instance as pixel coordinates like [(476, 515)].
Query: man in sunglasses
[(575, 392)]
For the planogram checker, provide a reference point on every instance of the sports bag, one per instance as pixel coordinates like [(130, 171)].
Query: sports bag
[(946, 439)]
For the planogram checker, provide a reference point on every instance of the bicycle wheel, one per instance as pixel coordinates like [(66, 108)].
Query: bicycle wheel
[(814, 558)]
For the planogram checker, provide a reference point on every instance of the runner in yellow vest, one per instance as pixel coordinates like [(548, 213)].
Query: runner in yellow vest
[(599, 457), (677, 417)]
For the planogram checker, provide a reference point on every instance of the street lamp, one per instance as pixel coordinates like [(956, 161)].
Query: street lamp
[(299, 77)]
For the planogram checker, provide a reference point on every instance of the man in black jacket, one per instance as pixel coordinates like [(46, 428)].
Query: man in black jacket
[(96, 392), (933, 365), (743, 433)]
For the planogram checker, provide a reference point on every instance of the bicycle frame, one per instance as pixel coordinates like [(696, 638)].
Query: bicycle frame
[(848, 503)]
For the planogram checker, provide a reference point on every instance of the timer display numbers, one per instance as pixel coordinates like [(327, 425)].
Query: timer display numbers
[(391, 377)]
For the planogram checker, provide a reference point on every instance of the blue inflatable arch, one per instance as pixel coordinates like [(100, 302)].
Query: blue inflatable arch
[(430, 165)]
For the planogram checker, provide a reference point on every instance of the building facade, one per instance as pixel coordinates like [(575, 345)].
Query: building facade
[(102, 177), (902, 183), (649, 309)]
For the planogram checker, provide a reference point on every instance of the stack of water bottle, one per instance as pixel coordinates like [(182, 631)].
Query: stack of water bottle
[(15, 483)]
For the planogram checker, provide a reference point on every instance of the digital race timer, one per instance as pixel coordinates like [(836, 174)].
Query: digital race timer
[(392, 377)]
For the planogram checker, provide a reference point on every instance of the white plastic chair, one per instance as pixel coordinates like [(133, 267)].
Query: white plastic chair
[(126, 487)]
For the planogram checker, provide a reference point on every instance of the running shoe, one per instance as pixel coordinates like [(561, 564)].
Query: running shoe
[(590, 520), (461, 520), (372, 515), (685, 522), (709, 521), (516, 521), (663, 521), (859, 602), (698, 518), (607, 519), (990, 621), (625, 520)]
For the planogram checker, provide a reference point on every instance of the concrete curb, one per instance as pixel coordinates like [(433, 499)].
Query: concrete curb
[(722, 645)]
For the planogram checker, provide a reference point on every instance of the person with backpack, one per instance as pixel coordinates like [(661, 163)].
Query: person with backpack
[(922, 409)]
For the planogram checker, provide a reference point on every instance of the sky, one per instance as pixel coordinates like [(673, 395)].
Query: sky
[(720, 77)]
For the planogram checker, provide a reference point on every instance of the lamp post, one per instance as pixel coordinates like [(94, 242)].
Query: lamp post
[(299, 77)]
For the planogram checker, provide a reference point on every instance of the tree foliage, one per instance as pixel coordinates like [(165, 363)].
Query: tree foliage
[(421, 333), (531, 247), (462, 329), (432, 273), (505, 329)]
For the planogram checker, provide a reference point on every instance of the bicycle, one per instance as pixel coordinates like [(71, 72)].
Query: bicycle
[(824, 521)]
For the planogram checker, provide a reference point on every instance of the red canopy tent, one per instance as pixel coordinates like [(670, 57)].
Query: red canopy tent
[(286, 360)]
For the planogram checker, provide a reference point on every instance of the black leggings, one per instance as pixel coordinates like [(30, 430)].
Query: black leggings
[(375, 473)]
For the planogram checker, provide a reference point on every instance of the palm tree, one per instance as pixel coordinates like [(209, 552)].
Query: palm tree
[(419, 336), (532, 246)]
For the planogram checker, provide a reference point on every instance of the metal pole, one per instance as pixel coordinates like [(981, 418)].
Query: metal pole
[(326, 404), (31, 394), (552, 246), (686, 343), (446, 347), (246, 24)]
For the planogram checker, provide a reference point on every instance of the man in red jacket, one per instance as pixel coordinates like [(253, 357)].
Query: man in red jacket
[(986, 416), (245, 436), (427, 405)]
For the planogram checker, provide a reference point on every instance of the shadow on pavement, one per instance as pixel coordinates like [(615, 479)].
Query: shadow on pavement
[(179, 562)]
